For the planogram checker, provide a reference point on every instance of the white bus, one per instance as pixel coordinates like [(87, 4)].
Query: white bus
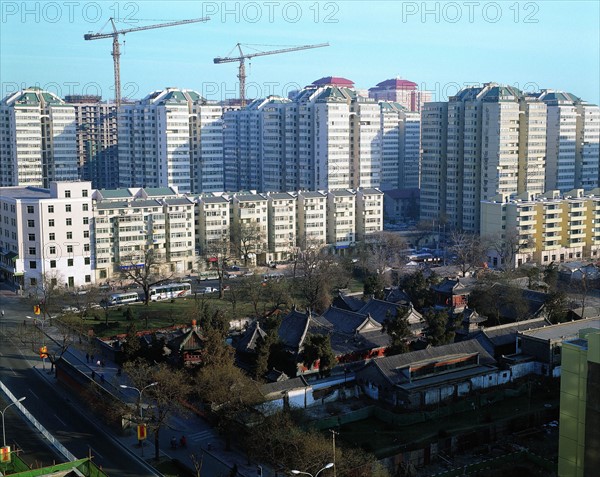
[(119, 298), (170, 290)]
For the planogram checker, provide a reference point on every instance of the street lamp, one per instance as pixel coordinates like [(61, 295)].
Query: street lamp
[(328, 466), (140, 393), (2, 412)]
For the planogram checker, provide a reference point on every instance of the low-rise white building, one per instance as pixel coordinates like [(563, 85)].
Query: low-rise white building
[(282, 225), (45, 235), (312, 218), (369, 212), (341, 218)]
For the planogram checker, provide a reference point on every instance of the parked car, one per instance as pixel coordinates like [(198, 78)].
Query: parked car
[(209, 290)]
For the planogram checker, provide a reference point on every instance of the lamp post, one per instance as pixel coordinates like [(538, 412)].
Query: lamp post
[(328, 466), (140, 391), (2, 412)]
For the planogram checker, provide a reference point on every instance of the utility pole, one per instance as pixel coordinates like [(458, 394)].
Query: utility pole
[(333, 434)]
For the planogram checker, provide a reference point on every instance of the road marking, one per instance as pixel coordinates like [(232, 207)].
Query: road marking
[(61, 421), (198, 436), (36, 396)]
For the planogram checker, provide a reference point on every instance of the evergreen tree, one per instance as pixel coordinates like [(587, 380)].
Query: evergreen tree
[(399, 330), (438, 331), (318, 347)]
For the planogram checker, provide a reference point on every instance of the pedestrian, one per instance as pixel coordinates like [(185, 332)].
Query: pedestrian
[(102, 377), (98, 363), (183, 442), (94, 375), (92, 358), (87, 358), (173, 443), (102, 363), (2, 313)]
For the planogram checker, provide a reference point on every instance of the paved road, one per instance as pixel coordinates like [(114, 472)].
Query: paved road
[(51, 406)]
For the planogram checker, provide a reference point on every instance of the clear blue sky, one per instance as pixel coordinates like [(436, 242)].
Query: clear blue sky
[(439, 45)]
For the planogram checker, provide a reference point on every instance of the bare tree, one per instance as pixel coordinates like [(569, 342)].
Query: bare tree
[(47, 293), (468, 249), (218, 254), (507, 246), (145, 268), (166, 397), (384, 250), (248, 239)]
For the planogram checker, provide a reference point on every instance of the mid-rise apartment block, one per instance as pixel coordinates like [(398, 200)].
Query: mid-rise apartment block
[(341, 218), (130, 222), (282, 240), (37, 139), (174, 138), (97, 147), (312, 218), (369, 213), (45, 235), (212, 223), (544, 228)]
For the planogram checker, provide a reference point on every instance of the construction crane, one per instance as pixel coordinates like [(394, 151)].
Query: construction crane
[(116, 52), (243, 57)]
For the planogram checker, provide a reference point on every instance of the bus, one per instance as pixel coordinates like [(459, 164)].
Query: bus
[(119, 298), (208, 275), (170, 290)]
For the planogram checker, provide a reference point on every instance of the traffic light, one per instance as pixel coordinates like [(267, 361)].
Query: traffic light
[(141, 432), (5, 454), (43, 351), (36, 309)]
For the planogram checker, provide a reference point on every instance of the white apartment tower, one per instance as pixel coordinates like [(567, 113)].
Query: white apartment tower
[(37, 139), (489, 142), (171, 138), (572, 147), (400, 132), (328, 137)]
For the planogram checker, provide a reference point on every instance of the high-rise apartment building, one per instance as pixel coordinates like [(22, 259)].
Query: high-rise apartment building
[(489, 142), (400, 131), (97, 147), (37, 139), (327, 137), (572, 147), (172, 137), (401, 91)]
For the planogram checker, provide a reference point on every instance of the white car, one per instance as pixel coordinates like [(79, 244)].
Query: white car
[(210, 290)]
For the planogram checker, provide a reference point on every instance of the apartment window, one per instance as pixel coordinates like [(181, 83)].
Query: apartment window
[(69, 221), (53, 282), (84, 193), (69, 235), (86, 220), (32, 264), (86, 260), (68, 208), (68, 194), (103, 274), (50, 209), (31, 237), (52, 236), (52, 250), (86, 234), (30, 209), (88, 279), (52, 263), (86, 247), (33, 282), (32, 251), (69, 262), (50, 222), (85, 207), (31, 223), (71, 282), (69, 248)]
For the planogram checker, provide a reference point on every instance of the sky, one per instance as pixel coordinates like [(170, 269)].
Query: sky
[(441, 46)]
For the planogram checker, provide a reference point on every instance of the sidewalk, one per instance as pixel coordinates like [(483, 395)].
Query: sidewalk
[(203, 442)]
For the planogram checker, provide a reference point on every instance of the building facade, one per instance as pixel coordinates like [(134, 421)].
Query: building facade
[(401, 91), (97, 147), (45, 235), (37, 139), (544, 228), (172, 137)]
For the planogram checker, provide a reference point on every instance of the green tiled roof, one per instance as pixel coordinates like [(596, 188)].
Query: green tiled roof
[(115, 193), (159, 191)]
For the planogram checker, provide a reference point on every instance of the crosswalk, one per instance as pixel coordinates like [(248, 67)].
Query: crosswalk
[(200, 436)]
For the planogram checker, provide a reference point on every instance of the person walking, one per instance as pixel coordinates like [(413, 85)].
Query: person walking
[(2, 313)]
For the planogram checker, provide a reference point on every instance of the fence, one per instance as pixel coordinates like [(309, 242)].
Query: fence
[(57, 445)]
